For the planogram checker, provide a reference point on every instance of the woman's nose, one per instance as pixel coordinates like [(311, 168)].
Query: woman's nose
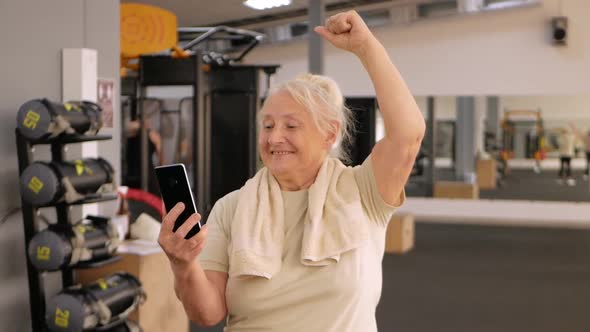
[(275, 136)]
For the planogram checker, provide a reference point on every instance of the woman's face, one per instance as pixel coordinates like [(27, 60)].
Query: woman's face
[(290, 143)]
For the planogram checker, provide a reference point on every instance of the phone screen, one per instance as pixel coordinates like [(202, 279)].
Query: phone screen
[(175, 188)]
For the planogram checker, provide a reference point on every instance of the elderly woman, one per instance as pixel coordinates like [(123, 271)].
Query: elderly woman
[(299, 247)]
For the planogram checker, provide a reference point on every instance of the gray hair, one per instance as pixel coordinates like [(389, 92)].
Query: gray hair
[(322, 98)]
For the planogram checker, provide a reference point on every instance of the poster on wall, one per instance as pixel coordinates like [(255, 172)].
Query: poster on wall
[(105, 95)]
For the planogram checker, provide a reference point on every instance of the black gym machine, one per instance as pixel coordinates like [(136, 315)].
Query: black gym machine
[(365, 117), (225, 97)]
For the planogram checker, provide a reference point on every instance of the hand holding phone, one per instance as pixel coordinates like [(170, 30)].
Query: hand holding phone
[(181, 253), (175, 188)]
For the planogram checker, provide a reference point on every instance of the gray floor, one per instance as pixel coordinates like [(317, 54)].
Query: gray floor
[(519, 185), (474, 278)]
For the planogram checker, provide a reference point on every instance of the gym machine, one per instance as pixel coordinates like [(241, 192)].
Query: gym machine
[(523, 135), (226, 97), (364, 111), (365, 117)]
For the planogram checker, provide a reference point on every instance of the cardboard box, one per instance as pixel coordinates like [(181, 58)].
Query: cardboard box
[(161, 311), (486, 173), (400, 234), (456, 189)]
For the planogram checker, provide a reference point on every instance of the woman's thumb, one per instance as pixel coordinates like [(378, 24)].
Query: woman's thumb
[(322, 31)]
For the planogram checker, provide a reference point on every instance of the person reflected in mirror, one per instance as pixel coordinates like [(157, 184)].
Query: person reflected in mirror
[(133, 155), (585, 139), (567, 145)]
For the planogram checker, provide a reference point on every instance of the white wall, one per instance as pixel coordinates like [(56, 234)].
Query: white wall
[(557, 111), (572, 107), (101, 21), (33, 34), (502, 53), (553, 107), (445, 107)]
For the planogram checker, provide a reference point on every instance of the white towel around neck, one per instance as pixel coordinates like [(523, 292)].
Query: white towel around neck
[(334, 224)]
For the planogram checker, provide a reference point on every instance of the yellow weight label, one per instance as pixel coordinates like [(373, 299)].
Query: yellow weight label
[(31, 119), (81, 168), (35, 184), (83, 228), (71, 107), (102, 284), (43, 253), (62, 318)]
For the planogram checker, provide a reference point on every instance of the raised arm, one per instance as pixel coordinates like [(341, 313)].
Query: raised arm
[(576, 131), (394, 155)]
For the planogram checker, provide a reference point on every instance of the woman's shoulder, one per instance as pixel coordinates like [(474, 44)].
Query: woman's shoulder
[(223, 211), (351, 173), (226, 205)]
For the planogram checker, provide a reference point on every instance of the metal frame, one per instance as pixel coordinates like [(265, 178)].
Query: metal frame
[(35, 278), (208, 33), (364, 111)]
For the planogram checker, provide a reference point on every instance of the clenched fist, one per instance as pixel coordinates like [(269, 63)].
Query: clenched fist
[(347, 31), (181, 251)]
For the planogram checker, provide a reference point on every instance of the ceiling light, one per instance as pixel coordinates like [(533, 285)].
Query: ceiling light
[(266, 4)]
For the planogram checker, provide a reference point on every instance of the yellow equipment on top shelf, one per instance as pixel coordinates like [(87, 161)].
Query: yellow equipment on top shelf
[(146, 29)]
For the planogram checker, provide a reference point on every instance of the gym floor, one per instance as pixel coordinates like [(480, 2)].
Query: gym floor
[(463, 278), (528, 185), (482, 278), (522, 184)]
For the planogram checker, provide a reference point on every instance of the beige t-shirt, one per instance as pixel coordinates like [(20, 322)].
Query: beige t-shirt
[(340, 297), (567, 145)]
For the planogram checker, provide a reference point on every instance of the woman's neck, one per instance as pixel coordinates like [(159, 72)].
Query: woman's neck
[(294, 184), (297, 181)]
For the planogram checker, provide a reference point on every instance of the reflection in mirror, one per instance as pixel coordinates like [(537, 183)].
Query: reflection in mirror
[(506, 147)]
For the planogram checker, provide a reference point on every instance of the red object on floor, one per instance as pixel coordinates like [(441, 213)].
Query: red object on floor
[(146, 197)]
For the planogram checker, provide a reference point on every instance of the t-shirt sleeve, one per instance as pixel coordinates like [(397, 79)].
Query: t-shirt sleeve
[(375, 207), (214, 256)]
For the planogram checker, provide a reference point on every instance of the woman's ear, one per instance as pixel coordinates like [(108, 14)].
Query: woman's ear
[(332, 133)]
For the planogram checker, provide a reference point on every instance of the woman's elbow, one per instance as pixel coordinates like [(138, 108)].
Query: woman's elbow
[(411, 135), (420, 130), (206, 319), (413, 138)]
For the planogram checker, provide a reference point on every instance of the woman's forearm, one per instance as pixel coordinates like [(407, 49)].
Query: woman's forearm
[(202, 302), (401, 116)]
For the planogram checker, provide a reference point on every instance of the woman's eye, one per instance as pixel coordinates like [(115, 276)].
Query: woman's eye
[(291, 126)]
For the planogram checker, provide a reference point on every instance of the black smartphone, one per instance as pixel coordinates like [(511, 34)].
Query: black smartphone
[(175, 188)]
